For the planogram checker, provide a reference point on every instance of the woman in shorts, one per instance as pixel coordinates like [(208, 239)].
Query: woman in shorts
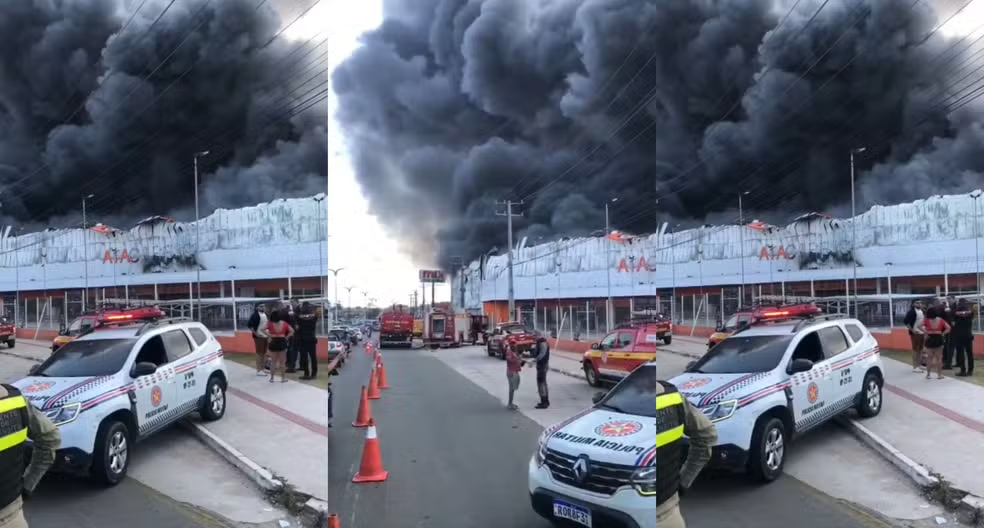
[(935, 329), (280, 332)]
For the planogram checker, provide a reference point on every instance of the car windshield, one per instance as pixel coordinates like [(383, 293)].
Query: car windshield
[(743, 355), (635, 394), (87, 358), (514, 329)]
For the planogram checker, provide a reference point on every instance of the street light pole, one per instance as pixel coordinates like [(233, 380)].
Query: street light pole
[(198, 239), (741, 242), (85, 249), (321, 254), (350, 288), (335, 272), (977, 256), (854, 235), (609, 304)]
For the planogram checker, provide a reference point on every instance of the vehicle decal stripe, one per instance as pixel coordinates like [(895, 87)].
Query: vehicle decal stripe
[(105, 397), (646, 457), (745, 400), (707, 399), (556, 427), (78, 386)]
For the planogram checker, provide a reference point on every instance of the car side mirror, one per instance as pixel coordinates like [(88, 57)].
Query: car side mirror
[(690, 365), (34, 368), (598, 396), (800, 365), (594, 346), (144, 368)]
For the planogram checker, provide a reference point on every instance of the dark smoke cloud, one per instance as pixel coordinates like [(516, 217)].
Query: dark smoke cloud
[(88, 108), (450, 105)]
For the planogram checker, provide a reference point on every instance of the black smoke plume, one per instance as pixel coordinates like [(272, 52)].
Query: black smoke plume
[(674, 107), (92, 102)]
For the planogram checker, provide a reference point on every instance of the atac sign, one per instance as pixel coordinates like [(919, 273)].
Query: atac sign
[(120, 257), (631, 264), (432, 276), (777, 253)]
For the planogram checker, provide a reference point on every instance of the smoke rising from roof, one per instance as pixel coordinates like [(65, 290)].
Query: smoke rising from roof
[(90, 106), (674, 107)]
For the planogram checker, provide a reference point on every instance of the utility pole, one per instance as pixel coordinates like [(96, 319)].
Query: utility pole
[(854, 236), (321, 254), (610, 305), (457, 264), (741, 252), (198, 240), (349, 289), (335, 272), (85, 249), (509, 256)]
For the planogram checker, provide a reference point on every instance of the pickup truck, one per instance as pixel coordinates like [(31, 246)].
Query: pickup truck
[(8, 332), (621, 351), (748, 316), (521, 338)]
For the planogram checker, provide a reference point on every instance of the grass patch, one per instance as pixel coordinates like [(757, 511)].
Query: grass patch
[(321, 381), (905, 356)]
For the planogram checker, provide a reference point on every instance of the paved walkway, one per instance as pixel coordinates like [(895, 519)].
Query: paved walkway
[(937, 423)]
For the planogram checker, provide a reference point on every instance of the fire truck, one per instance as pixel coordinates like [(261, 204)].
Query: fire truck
[(92, 320), (444, 328), (749, 316)]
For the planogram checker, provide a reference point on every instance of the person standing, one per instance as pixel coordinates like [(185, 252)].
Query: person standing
[(279, 332), (290, 317), (963, 337), (20, 422), (947, 314), (936, 330), (675, 474), (917, 338), (542, 362), (306, 340), (514, 366), (257, 325)]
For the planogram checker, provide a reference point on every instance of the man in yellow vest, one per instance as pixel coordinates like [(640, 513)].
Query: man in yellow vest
[(20, 421), (676, 417)]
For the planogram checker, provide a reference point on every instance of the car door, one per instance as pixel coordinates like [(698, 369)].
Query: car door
[(154, 393), (813, 392), (837, 356), (183, 367)]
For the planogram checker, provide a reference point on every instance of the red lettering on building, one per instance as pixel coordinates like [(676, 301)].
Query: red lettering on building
[(776, 253), (630, 265), (121, 257)]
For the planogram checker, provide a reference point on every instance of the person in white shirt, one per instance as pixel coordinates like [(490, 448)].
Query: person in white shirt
[(257, 325), (917, 336)]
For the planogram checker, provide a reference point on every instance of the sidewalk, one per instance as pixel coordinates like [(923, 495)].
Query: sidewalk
[(927, 428)]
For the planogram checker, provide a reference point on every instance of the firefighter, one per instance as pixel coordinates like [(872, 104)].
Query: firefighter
[(20, 421), (674, 474)]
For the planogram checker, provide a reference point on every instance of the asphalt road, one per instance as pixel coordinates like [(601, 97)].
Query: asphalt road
[(457, 459)]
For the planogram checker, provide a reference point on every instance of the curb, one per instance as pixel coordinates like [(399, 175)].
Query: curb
[(20, 356), (258, 474)]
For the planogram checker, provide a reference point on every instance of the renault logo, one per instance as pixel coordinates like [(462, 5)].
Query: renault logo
[(581, 469)]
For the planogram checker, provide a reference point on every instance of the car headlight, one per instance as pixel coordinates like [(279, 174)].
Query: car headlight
[(541, 453), (63, 415), (644, 481), (720, 411)]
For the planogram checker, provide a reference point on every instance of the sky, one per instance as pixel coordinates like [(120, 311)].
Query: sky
[(357, 242)]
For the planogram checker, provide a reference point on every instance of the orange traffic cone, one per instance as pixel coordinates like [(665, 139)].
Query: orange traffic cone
[(382, 376), (373, 386), (333, 521), (371, 467), (365, 413)]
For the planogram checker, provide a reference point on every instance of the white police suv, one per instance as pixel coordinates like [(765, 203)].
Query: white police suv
[(117, 385), (597, 468), (778, 379)]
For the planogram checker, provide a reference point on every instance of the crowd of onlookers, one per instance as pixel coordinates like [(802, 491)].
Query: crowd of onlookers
[(284, 333), (942, 334)]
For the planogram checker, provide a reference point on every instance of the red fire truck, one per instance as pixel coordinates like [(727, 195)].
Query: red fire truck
[(749, 316)]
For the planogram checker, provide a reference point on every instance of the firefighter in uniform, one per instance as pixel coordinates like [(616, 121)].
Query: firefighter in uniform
[(19, 421), (676, 417)]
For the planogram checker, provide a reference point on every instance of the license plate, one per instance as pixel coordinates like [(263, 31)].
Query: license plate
[(566, 510)]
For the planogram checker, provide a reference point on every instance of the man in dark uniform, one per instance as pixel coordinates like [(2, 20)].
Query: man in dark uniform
[(542, 362), (677, 418), (20, 421), (289, 315), (962, 336), (947, 313)]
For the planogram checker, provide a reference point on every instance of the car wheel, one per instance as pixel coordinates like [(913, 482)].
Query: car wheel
[(10, 343), (870, 399), (214, 404), (489, 350), (667, 339), (112, 453), (591, 375), (768, 450)]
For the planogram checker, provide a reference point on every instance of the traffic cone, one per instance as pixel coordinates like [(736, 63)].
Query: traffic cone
[(365, 413), (373, 386), (371, 467), (382, 376), (333, 521)]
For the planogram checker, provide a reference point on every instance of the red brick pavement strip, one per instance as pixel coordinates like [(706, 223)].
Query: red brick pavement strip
[(281, 412)]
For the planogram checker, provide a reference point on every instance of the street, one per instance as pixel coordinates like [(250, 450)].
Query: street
[(174, 482), (458, 458)]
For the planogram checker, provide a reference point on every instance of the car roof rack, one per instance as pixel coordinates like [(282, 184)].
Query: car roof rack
[(803, 320), (161, 322), (806, 321)]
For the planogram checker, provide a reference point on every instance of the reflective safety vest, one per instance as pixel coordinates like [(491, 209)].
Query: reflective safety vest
[(13, 443), (670, 420)]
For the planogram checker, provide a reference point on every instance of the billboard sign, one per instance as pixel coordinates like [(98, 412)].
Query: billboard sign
[(432, 276)]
